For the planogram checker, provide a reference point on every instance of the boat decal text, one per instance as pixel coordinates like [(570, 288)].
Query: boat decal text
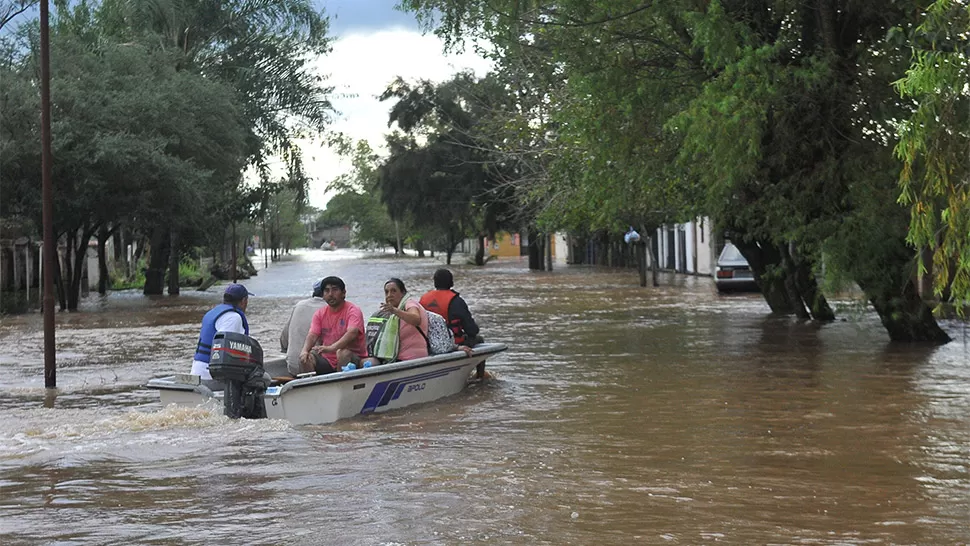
[(385, 391)]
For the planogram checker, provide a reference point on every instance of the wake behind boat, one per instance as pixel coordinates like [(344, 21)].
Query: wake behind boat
[(319, 399)]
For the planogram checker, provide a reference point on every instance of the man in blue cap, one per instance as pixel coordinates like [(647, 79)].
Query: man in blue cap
[(228, 316), (298, 326)]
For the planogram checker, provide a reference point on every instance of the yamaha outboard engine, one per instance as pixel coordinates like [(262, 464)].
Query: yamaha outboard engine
[(237, 360)]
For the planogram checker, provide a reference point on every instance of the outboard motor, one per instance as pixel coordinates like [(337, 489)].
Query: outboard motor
[(237, 360)]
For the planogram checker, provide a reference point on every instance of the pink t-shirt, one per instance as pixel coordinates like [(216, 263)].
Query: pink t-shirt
[(332, 325), (413, 344)]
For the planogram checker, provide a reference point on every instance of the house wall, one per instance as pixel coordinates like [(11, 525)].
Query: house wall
[(505, 245), (561, 248), (508, 245), (687, 247), (340, 235)]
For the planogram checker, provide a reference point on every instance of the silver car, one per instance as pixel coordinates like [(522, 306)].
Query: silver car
[(732, 271)]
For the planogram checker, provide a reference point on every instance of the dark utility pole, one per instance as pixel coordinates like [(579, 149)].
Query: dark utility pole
[(50, 249)]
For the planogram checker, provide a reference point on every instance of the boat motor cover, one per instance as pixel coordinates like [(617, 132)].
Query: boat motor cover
[(234, 356)]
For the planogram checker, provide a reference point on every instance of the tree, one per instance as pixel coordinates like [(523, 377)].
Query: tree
[(774, 126), (133, 139), (11, 9), (358, 201), (452, 181), (934, 142), (263, 49)]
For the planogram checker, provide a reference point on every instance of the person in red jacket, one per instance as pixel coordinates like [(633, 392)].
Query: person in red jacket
[(447, 303)]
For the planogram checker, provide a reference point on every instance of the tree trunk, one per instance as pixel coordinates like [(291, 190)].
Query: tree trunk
[(765, 260), (103, 235), (121, 251), (157, 262), (811, 294), (119, 247), (480, 251), (262, 244), (535, 258), (139, 252), (232, 256), (641, 251), (450, 249), (59, 282), (891, 288), (541, 257), (68, 279), (905, 316), (173, 264), (74, 289), (80, 246), (548, 240), (654, 258), (788, 271)]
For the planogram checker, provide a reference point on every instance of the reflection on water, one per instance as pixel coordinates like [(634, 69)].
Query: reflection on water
[(620, 414)]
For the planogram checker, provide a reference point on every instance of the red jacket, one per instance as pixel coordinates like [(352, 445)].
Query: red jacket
[(449, 304)]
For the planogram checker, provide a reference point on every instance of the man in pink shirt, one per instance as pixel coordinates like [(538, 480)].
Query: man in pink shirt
[(338, 328)]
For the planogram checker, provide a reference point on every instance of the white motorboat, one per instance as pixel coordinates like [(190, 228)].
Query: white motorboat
[(327, 398)]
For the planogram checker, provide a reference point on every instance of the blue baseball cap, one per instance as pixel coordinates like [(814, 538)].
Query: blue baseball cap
[(318, 288), (238, 291)]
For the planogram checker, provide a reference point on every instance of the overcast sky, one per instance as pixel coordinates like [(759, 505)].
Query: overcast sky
[(374, 44)]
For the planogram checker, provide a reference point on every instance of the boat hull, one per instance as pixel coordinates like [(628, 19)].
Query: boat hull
[(327, 398)]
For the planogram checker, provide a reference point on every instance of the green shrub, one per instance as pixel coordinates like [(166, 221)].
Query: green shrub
[(189, 273), (136, 281)]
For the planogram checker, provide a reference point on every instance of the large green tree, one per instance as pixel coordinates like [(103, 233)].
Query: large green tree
[(779, 115), (264, 50), (444, 174), (358, 203), (133, 139)]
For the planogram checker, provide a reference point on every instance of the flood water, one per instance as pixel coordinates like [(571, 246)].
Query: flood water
[(619, 415)]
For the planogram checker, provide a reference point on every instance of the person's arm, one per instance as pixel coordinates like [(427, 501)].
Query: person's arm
[(316, 327), (307, 362), (230, 322), (411, 316), (459, 309), (345, 341), (285, 334), (311, 340)]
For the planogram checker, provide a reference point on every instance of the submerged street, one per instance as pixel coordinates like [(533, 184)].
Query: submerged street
[(618, 415)]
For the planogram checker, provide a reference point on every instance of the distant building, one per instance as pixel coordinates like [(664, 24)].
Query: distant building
[(686, 248), (339, 234), (507, 245)]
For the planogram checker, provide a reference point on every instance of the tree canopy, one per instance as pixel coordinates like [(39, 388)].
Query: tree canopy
[(776, 119), (934, 143), (159, 109)]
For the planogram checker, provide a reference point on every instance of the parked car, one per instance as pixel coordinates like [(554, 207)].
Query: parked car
[(732, 271)]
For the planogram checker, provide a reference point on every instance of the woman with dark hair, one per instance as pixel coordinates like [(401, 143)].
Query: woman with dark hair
[(405, 317)]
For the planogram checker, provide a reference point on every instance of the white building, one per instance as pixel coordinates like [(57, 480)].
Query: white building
[(687, 248)]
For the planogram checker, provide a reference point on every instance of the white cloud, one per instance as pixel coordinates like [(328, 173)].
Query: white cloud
[(360, 67)]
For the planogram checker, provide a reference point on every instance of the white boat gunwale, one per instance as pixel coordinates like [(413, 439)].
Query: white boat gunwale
[(480, 350)]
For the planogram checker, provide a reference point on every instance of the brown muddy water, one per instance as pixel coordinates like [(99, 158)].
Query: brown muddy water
[(619, 415)]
